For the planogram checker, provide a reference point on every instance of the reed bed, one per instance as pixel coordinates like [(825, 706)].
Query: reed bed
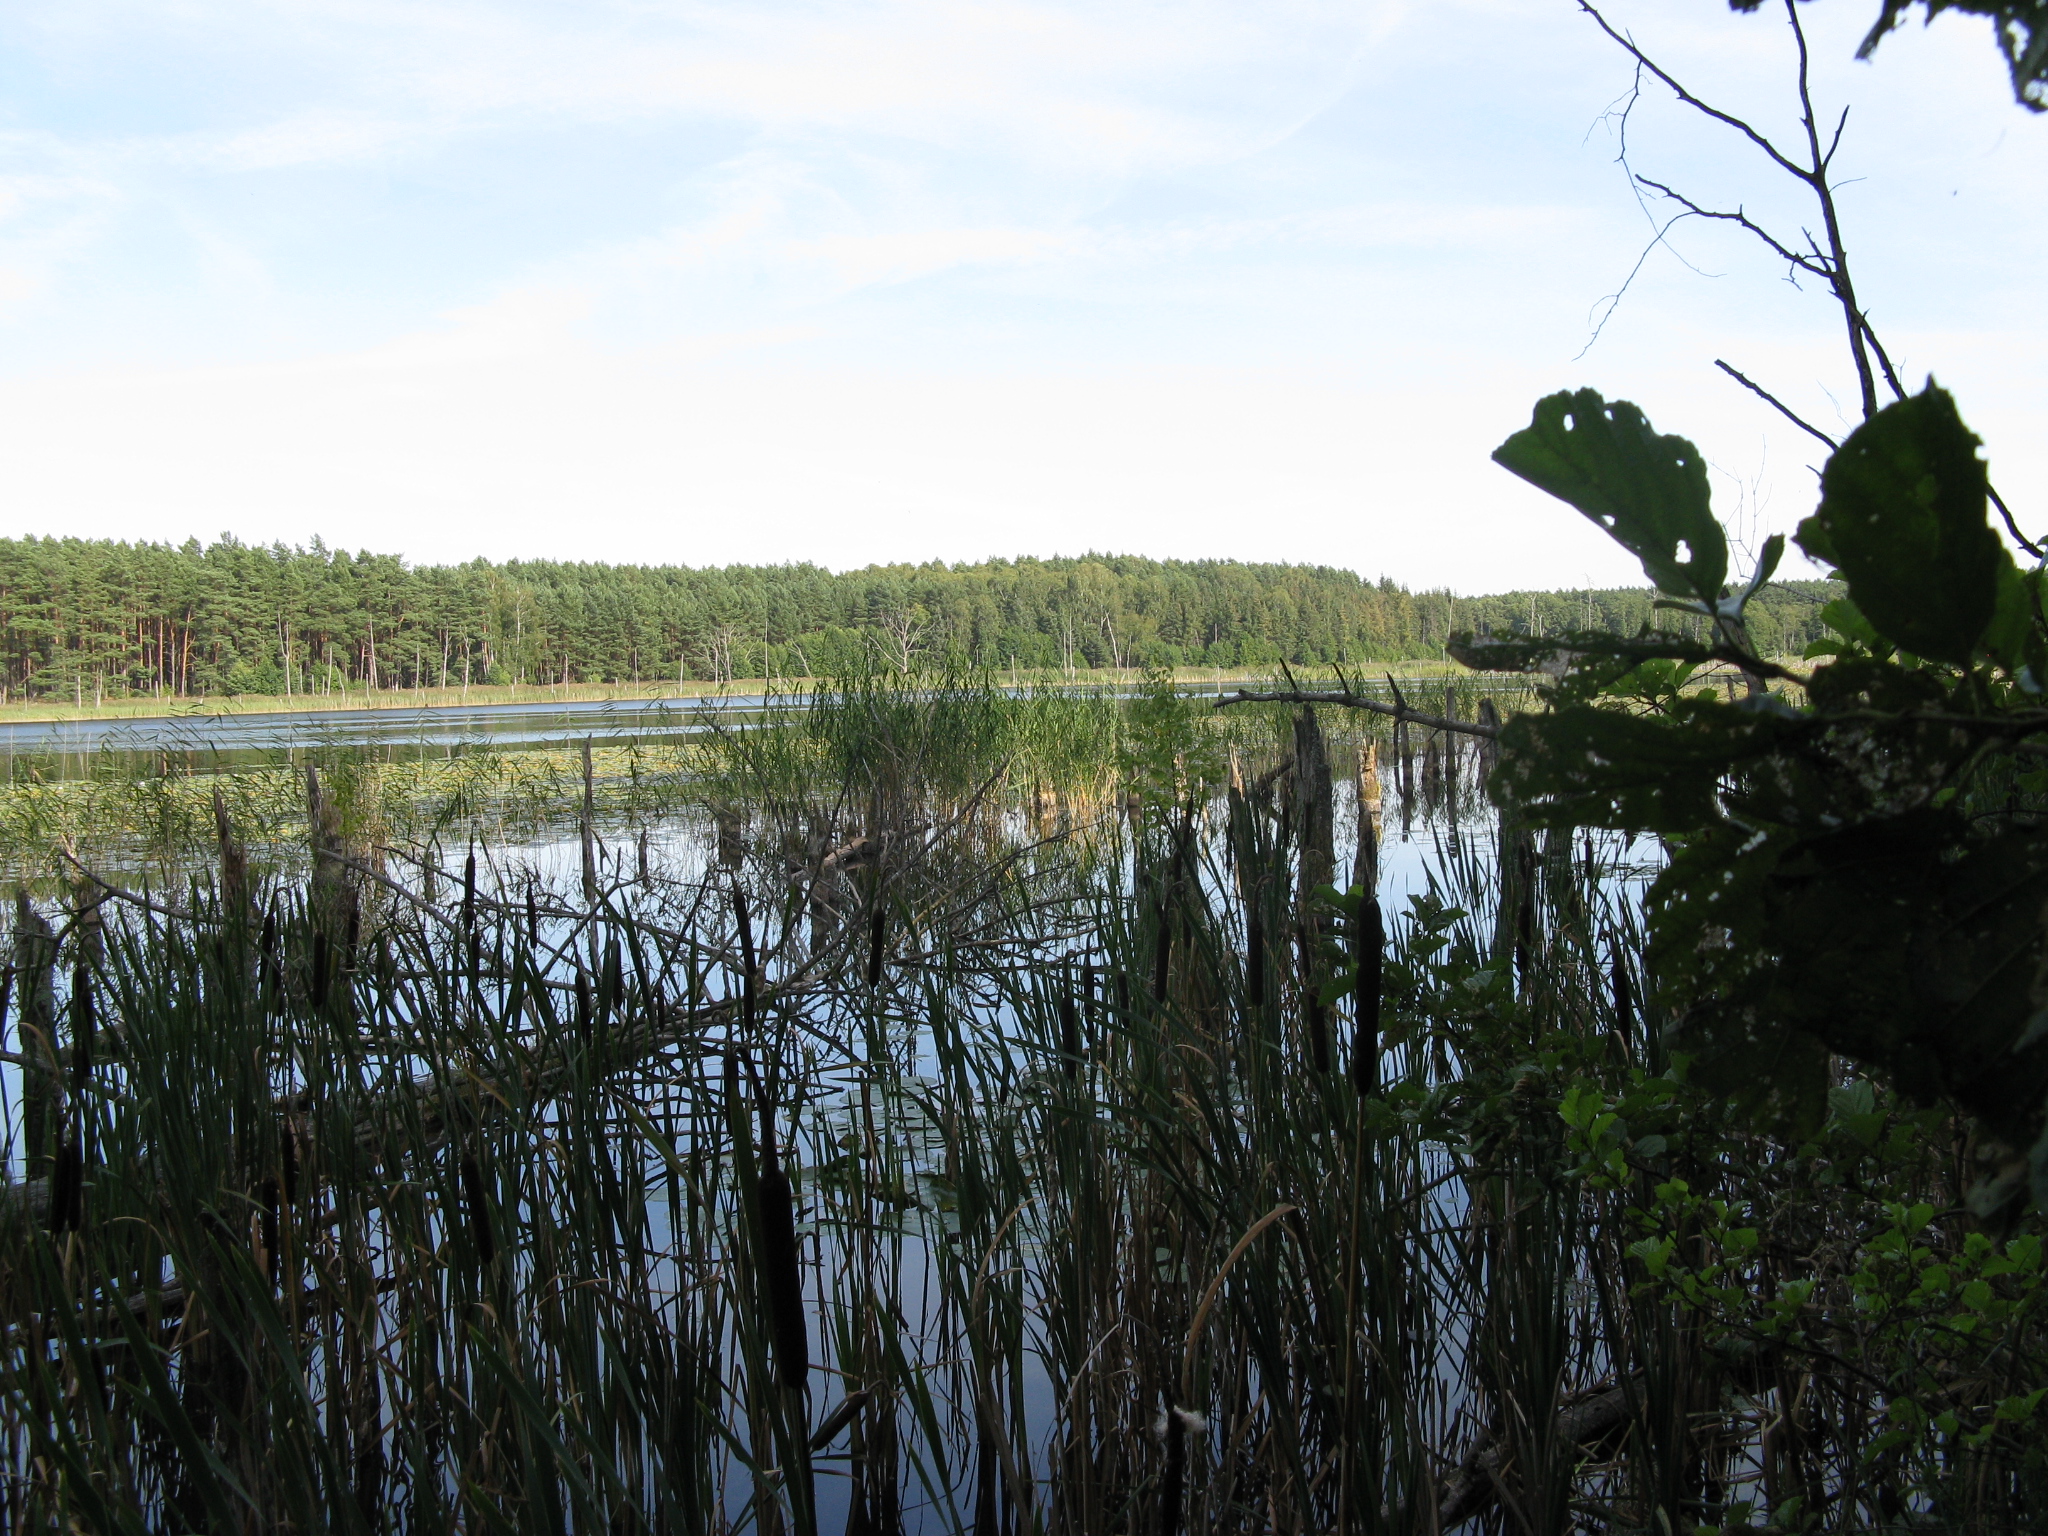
[(164, 819), (993, 1121)]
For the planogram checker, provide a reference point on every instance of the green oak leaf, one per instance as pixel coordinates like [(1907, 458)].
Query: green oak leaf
[(1648, 492), (1903, 516), (2012, 625)]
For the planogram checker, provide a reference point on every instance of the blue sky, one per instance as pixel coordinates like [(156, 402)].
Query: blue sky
[(699, 282)]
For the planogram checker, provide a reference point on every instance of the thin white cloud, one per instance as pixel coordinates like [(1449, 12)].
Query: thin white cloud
[(322, 136), (47, 221), (1107, 86)]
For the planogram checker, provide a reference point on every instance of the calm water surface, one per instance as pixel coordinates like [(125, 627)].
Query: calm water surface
[(68, 749)]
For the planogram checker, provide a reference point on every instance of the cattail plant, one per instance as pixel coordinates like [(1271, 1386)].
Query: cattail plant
[(35, 960), (781, 1272), (476, 1202), (878, 941), (1368, 993), (586, 827), (1070, 1034), (1624, 1006)]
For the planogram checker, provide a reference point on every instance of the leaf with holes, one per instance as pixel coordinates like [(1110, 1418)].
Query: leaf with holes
[(1904, 515), (1648, 492)]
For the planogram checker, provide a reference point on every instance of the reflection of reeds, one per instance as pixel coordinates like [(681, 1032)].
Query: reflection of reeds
[(171, 819)]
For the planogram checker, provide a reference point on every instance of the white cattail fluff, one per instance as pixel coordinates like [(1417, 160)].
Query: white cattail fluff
[(1190, 1421)]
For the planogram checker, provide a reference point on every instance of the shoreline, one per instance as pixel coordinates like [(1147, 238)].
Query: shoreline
[(416, 700)]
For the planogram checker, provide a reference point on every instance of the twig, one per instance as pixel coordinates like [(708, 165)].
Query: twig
[(1783, 409), (2012, 527), (1777, 155), (1813, 266), (119, 894), (1613, 300), (2005, 513), (1845, 291), (1830, 263)]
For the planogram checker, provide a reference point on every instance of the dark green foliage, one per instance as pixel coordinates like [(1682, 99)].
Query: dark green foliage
[(1856, 873), (1594, 767), (1903, 941), (2020, 27)]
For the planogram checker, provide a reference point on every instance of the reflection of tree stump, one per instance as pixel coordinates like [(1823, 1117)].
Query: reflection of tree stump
[(1489, 746), (825, 896), (1314, 806), (35, 962), (332, 898), (1451, 751), (328, 890), (731, 824), (1365, 861), (1316, 816), (586, 827), (88, 928), (825, 872), (234, 860)]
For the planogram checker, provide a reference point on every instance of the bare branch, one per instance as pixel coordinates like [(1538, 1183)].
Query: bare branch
[(1884, 360), (1845, 290), (1817, 264), (2012, 527), (1778, 157), (1349, 699), (117, 893), (1835, 143), (1827, 259), (1785, 410)]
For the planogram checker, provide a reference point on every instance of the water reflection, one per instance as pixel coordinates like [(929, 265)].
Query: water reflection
[(72, 749)]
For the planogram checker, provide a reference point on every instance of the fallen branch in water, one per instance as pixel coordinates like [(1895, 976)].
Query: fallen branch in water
[(1349, 698), (1480, 1476), (117, 893)]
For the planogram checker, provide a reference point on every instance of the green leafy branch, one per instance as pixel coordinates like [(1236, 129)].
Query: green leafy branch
[(1851, 872)]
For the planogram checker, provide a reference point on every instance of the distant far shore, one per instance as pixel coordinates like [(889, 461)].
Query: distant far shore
[(479, 695)]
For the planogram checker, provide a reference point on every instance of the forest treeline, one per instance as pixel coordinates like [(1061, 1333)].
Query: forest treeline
[(96, 618)]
